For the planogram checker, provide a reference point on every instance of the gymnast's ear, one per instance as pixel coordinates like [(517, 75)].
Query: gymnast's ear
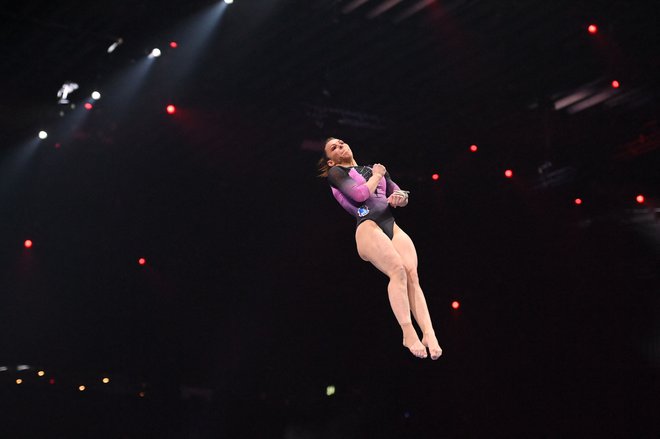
[(331, 163)]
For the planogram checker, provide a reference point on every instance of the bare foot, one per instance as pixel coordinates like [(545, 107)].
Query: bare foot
[(416, 347), (431, 342)]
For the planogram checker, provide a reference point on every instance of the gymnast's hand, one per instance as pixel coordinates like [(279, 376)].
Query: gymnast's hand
[(378, 169), (398, 198)]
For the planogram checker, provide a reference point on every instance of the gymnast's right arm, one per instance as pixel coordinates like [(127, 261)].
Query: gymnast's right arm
[(350, 188)]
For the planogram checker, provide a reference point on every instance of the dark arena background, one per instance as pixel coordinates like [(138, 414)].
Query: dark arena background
[(172, 267)]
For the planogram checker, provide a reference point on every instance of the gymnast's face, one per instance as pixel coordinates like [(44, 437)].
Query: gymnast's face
[(338, 152)]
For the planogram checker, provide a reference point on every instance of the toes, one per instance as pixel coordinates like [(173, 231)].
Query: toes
[(435, 354)]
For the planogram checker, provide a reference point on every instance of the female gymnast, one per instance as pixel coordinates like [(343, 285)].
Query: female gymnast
[(367, 193)]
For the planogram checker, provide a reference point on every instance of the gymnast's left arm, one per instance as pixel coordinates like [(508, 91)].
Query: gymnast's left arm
[(395, 196)]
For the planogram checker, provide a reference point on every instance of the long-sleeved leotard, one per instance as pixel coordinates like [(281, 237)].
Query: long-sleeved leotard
[(350, 190)]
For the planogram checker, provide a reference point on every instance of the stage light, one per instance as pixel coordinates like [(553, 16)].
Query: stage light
[(330, 390), (96, 95), (508, 173), (23, 367), (28, 243), (174, 44), (43, 135), (229, 2), (435, 176), (640, 199), (51, 381), (41, 373), (106, 380), (155, 53), (19, 381), (473, 148), (616, 84), (142, 261), (82, 388), (171, 109), (592, 28), (455, 304), (114, 45), (88, 106), (4, 368), (64, 92), (578, 201), (141, 394)]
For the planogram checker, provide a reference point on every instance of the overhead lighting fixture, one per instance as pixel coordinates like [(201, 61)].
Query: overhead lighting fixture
[(155, 53), (64, 92), (114, 45)]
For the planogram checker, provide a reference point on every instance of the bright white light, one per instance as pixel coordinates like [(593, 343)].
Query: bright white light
[(96, 95), (114, 45), (43, 135), (229, 2), (330, 390), (4, 368), (154, 53), (23, 367), (64, 92)]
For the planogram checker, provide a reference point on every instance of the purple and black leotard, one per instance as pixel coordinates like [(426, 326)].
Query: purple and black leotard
[(350, 190)]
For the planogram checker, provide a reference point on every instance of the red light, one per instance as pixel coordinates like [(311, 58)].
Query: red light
[(171, 109), (592, 29), (51, 381), (640, 199), (28, 243), (473, 148), (508, 173), (435, 176), (578, 201), (173, 44), (88, 106), (615, 84), (455, 304), (142, 261)]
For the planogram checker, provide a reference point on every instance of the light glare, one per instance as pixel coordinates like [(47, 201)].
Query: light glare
[(43, 135)]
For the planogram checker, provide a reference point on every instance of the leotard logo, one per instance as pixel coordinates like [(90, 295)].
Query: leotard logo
[(362, 211)]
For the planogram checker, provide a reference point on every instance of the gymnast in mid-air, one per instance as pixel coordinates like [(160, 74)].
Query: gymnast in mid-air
[(367, 192)]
